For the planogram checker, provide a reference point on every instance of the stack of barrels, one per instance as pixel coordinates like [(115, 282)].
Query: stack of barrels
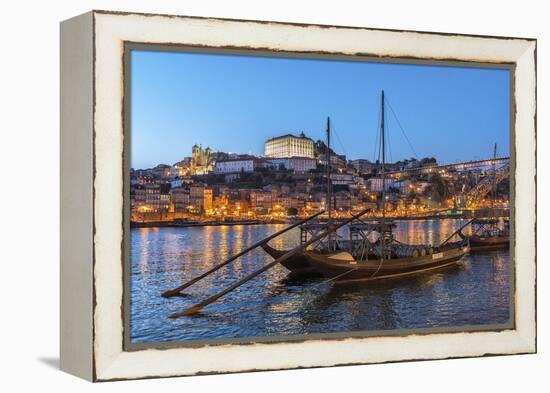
[(412, 251)]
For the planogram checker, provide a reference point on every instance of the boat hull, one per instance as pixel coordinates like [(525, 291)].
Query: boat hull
[(298, 264), (478, 243), (351, 271)]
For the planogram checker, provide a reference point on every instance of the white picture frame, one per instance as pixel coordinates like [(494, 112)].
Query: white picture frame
[(92, 193)]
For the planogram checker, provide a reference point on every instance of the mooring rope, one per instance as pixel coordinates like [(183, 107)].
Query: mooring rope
[(344, 274), (379, 266), (337, 277)]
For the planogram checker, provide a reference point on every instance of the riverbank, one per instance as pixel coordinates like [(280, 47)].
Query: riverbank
[(184, 224), (187, 224), (465, 214)]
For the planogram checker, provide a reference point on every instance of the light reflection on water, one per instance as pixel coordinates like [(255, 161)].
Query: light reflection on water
[(475, 292)]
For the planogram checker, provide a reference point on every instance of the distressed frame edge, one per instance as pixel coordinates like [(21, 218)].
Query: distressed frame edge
[(76, 196), (526, 289), (304, 24), (527, 341)]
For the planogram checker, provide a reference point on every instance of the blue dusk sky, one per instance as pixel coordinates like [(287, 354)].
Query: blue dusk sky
[(234, 103)]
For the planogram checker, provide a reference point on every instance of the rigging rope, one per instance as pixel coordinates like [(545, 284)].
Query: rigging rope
[(401, 127), (377, 143), (333, 128), (389, 141)]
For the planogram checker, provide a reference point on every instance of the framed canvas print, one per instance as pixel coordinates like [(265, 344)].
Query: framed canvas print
[(248, 195)]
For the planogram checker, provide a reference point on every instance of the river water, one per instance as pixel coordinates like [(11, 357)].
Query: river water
[(474, 293)]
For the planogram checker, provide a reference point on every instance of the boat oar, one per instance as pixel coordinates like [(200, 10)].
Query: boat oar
[(177, 291), (455, 232), (197, 307)]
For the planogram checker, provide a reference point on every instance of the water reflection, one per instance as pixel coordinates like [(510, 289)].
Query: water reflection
[(475, 292)]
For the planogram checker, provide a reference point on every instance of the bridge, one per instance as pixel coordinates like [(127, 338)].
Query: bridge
[(475, 195), (481, 189), (459, 166)]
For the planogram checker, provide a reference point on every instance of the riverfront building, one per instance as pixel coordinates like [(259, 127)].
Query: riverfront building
[(200, 197), (180, 199), (151, 197), (287, 146)]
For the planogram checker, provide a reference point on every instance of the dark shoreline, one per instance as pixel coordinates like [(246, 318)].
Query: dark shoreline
[(175, 224)]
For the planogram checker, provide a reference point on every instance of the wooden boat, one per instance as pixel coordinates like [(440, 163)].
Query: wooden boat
[(488, 236), (479, 243), (343, 267)]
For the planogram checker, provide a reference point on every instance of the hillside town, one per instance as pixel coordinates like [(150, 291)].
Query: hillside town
[(290, 180)]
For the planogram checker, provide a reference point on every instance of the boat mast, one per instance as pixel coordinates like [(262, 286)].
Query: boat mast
[(329, 184), (383, 175), (493, 189)]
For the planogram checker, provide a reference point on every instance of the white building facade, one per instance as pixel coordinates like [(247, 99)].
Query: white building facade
[(235, 165), (297, 164), (287, 146)]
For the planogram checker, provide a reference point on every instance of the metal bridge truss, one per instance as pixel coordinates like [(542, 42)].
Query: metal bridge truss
[(460, 166), (481, 189)]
